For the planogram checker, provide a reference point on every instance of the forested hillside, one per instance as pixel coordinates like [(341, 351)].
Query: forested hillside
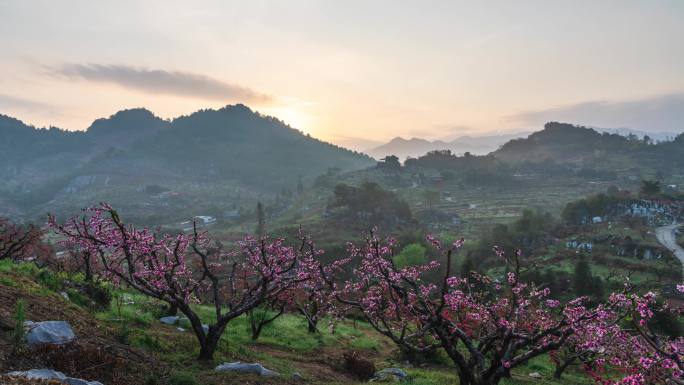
[(256, 152)]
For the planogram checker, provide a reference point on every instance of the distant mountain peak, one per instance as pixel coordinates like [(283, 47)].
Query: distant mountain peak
[(414, 147), (136, 121)]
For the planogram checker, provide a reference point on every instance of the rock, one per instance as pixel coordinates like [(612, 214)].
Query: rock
[(64, 294), (205, 327), (297, 377), (169, 320), (390, 374), (240, 367), (180, 329), (49, 374), (535, 375), (49, 332), (39, 374)]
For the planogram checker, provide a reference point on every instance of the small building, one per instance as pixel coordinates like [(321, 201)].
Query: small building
[(205, 219)]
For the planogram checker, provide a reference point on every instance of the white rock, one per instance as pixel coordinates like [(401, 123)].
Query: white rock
[(49, 374), (240, 367), (169, 320), (49, 332)]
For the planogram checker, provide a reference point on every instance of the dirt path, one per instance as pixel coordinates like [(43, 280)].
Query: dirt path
[(667, 237)]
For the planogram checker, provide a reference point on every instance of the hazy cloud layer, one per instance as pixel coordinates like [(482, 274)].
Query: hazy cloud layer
[(10, 103), (658, 114), (161, 81)]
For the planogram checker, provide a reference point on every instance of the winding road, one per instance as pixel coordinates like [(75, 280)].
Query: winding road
[(667, 237)]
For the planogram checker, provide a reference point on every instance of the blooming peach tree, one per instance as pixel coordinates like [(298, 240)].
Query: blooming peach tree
[(182, 269), (19, 242), (488, 327)]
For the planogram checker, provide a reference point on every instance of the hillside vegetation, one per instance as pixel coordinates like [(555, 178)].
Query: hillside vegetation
[(132, 149)]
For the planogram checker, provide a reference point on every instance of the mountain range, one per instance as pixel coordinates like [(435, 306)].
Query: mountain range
[(414, 147)]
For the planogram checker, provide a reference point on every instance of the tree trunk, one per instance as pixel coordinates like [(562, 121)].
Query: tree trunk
[(172, 310), (209, 343), (312, 325), (256, 331), (207, 349), (560, 368), (88, 270)]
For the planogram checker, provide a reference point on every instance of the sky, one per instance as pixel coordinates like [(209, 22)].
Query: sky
[(353, 72)]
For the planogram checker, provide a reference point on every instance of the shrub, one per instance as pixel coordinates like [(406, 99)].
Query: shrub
[(50, 280), (182, 378), (99, 294), (19, 334), (358, 366)]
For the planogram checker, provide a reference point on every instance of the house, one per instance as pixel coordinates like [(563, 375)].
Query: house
[(205, 219)]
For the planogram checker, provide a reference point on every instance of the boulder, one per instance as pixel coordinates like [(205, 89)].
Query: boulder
[(390, 374), (49, 332), (297, 377), (240, 367), (169, 320), (205, 327), (535, 375), (49, 374)]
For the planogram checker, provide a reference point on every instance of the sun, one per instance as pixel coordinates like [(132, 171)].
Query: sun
[(292, 117)]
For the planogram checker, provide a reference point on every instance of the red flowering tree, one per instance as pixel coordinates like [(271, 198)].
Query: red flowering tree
[(624, 343), (181, 270), (486, 327), (21, 242)]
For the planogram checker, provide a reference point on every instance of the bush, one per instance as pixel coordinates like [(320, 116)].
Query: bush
[(182, 378), (50, 280), (19, 334), (99, 294), (358, 366)]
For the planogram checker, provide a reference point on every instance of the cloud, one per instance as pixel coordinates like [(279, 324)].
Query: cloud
[(663, 113), (8, 102), (161, 81)]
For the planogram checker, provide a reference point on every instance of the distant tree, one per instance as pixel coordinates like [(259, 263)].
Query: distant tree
[(390, 162), (19, 242), (370, 205), (264, 315), (650, 187), (260, 230), (411, 255), (583, 281)]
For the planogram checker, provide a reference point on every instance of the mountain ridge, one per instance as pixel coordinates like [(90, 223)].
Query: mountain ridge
[(209, 147), (414, 147)]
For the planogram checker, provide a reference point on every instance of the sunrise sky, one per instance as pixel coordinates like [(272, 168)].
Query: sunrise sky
[(353, 72)]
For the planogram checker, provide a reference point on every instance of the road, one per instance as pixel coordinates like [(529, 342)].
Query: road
[(667, 237)]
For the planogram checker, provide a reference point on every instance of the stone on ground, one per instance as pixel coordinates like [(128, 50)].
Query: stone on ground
[(49, 332), (390, 374), (49, 374), (240, 367)]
